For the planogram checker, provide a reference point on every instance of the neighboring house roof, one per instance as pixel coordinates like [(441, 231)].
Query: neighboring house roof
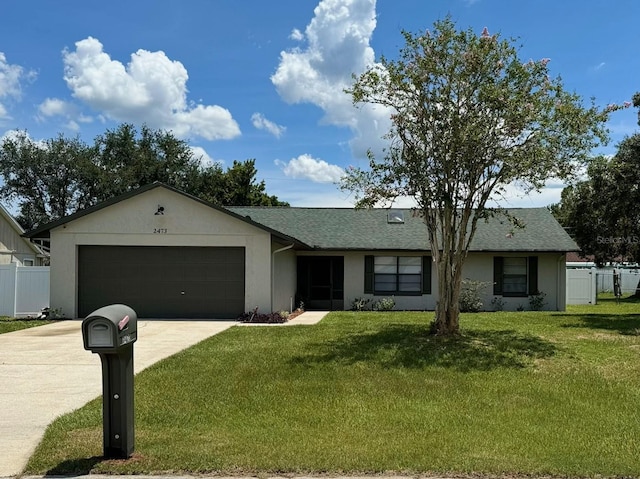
[(574, 257), (18, 229), (369, 229)]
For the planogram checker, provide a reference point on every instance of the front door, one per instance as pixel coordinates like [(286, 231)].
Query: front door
[(321, 282)]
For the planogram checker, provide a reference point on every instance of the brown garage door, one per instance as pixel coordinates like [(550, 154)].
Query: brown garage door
[(162, 281)]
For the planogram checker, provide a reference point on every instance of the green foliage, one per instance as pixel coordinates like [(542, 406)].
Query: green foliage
[(531, 394), (537, 301), (469, 118), (57, 177), (497, 303), (47, 179), (384, 304), (601, 213), (360, 304), (8, 325), (470, 301)]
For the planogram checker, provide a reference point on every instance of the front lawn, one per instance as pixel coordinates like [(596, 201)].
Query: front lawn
[(529, 393), (8, 324)]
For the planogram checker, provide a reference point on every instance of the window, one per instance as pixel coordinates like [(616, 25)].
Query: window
[(395, 216), (401, 275), (515, 276), (27, 262)]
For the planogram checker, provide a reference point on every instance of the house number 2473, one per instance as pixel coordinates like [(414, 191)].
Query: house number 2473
[(160, 231)]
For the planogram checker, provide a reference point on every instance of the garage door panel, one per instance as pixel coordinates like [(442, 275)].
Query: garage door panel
[(163, 282)]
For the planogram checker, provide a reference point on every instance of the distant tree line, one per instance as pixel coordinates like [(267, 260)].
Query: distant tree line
[(53, 178)]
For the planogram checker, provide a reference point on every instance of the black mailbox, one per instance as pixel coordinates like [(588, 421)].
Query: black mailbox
[(111, 331), (110, 328)]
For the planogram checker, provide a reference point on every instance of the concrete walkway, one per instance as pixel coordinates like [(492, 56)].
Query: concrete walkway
[(46, 372)]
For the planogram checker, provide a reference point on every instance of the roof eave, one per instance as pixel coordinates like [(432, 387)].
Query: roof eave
[(44, 231)]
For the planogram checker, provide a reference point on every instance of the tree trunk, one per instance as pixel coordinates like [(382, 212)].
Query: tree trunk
[(447, 322)]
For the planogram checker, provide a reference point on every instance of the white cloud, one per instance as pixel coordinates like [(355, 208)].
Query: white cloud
[(13, 135), (150, 89), (51, 107), (338, 46), (309, 168), (55, 107), (10, 78), (296, 35), (201, 153), (261, 123)]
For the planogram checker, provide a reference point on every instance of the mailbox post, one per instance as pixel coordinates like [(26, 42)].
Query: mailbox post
[(110, 332)]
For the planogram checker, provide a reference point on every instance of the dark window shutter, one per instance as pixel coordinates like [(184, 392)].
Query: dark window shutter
[(533, 275), (426, 274), (497, 274), (368, 274)]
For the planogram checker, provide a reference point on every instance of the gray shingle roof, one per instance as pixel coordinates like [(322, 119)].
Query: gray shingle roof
[(350, 229), (368, 229)]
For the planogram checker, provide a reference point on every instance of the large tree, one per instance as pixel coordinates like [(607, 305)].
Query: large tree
[(468, 119), (126, 158), (601, 212), (47, 179), (53, 178)]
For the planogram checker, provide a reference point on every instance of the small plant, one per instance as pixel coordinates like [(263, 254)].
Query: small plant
[(520, 308), (497, 303), (360, 304), (267, 318), (49, 313), (384, 304), (470, 301), (536, 301)]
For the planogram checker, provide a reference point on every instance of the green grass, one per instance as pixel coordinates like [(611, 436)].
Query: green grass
[(8, 324), (529, 393)]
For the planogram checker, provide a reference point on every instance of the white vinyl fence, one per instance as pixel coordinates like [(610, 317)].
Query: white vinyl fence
[(628, 279), (24, 290), (584, 284), (581, 286)]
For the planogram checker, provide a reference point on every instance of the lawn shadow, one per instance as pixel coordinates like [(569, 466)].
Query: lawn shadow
[(412, 346), (627, 324), (74, 467)]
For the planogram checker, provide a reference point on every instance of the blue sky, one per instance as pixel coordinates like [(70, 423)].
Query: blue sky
[(242, 79)]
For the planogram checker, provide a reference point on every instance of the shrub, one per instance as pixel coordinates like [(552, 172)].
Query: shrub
[(384, 304), (536, 301), (267, 318), (360, 304), (470, 301), (497, 303)]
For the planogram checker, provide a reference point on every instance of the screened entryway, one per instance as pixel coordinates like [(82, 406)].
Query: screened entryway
[(321, 282)]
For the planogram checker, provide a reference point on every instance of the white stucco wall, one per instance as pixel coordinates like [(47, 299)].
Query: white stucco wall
[(354, 283), (185, 222), (284, 278), (551, 279), (479, 267)]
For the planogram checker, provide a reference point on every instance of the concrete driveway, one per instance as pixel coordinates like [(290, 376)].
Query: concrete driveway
[(45, 372)]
